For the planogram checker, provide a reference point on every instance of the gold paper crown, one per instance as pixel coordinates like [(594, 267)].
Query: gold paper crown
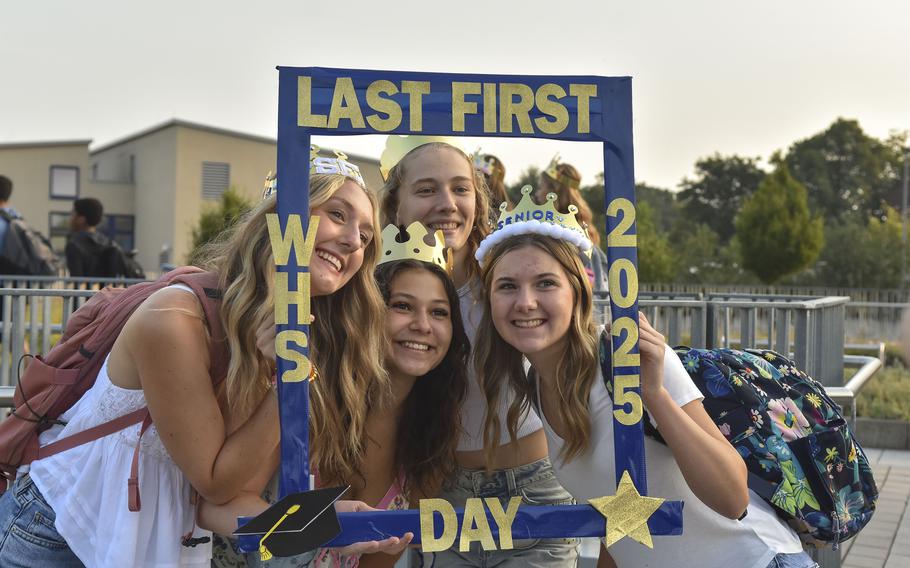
[(552, 172), (528, 217), (412, 243), (397, 146)]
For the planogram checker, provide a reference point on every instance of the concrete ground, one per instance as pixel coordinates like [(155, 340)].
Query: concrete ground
[(885, 541)]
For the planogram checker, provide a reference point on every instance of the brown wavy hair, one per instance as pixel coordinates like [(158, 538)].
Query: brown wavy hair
[(575, 370), (352, 374), (388, 198), (429, 426), (496, 181), (567, 195)]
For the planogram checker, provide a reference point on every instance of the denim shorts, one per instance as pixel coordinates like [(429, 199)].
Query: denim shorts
[(536, 484), (28, 538), (795, 560)]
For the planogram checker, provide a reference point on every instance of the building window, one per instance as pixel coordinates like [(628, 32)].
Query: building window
[(64, 182), (120, 228), (59, 224), (216, 177)]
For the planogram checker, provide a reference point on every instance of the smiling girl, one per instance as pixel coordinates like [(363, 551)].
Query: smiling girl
[(539, 306), (207, 429), (436, 184)]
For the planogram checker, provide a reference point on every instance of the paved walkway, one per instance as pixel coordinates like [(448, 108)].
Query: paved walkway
[(885, 541)]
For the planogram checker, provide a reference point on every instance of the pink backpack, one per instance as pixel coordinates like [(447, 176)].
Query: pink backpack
[(51, 384)]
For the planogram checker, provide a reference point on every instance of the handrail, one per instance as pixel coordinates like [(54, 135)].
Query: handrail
[(840, 395)]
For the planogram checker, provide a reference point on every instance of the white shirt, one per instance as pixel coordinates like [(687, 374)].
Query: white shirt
[(473, 411), (708, 539), (86, 487)]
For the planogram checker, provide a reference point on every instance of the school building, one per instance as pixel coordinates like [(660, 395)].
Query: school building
[(154, 184)]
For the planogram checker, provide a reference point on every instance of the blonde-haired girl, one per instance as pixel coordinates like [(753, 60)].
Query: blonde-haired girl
[(204, 438), (538, 305), (437, 184)]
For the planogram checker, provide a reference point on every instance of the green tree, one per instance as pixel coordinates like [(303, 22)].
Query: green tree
[(776, 234), (214, 220), (530, 176), (655, 259), (846, 172), (662, 201), (720, 186), (862, 255)]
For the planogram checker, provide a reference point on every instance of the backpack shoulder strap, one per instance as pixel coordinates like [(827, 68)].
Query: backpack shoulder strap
[(205, 286)]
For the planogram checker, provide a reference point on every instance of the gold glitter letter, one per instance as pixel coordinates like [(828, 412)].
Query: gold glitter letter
[(293, 235), (429, 542), (475, 527), (387, 106), (583, 92), (304, 104), (617, 268), (509, 108), (345, 104), (299, 297), (461, 107), (551, 108), (283, 350), (504, 519), (417, 89), (489, 107)]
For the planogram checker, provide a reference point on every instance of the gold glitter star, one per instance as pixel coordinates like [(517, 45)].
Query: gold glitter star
[(627, 512)]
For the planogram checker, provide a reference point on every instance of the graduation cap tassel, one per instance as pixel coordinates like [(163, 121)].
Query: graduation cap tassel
[(263, 551)]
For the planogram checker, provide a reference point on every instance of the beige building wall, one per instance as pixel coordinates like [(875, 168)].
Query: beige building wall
[(28, 166), (148, 160), (154, 175), (249, 159)]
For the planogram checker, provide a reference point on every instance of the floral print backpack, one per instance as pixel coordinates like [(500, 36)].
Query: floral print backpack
[(801, 455)]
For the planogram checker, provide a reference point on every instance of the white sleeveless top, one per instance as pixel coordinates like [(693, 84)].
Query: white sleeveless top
[(87, 488)]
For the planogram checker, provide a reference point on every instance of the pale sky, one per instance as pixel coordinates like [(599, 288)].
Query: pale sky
[(708, 75)]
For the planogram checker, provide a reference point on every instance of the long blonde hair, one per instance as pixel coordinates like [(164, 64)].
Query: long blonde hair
[(576, 368), (351, 374), (388, 198)]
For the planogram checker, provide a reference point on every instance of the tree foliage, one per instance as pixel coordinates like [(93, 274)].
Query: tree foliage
[(214, 220), (720, 186), (846, 172), (777, 236), (655, 259), (862, 255)]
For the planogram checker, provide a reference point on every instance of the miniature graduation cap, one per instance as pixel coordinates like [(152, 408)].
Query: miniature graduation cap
[(296, 524)]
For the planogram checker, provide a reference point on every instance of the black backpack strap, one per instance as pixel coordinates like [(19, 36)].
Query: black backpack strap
[(606, 368)]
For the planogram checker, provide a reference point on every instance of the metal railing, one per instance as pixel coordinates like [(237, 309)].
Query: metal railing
[(30, 322), (63, 282)]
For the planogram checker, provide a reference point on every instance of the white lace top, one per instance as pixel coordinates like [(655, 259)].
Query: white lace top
[(87, 488)]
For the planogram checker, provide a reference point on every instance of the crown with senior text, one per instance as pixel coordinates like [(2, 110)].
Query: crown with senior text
[(320, 165), (415, 243), (528, 217)]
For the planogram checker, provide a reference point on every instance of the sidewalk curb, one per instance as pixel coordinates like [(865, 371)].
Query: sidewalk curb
[(886, 434)]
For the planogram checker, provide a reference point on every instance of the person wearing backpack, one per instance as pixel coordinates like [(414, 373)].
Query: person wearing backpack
[(538, 304), (210, 416), (90, 252), (23, 250)]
